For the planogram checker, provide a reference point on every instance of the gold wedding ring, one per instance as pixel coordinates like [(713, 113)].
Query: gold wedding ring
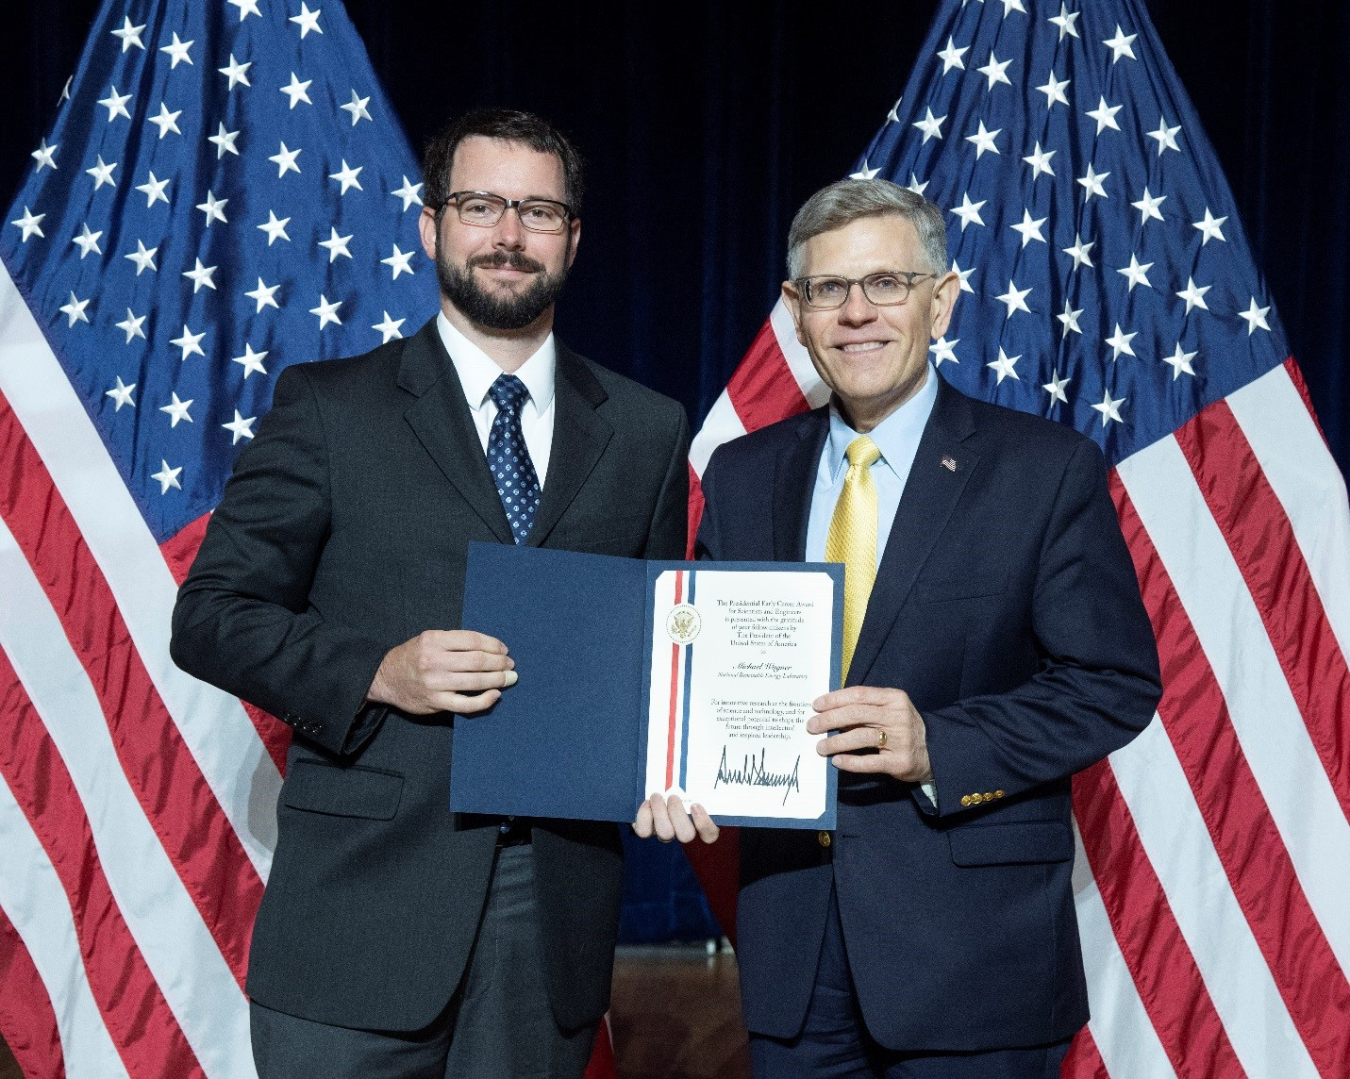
[(881, 739)]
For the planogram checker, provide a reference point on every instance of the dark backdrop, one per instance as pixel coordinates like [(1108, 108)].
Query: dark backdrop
[(705, 125)]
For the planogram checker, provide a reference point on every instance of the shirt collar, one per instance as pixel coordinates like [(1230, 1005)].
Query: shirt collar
[(478, 371), (897, 436)]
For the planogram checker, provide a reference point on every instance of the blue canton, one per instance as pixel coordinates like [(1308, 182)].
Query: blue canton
[(509, 459)]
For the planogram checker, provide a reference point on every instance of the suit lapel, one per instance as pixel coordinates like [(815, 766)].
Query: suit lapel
[(794, 484), (579, 438), (942, 466), (441, 420)]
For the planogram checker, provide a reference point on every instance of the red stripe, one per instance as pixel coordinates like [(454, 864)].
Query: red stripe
[(137, 1016), (1296, 377), (1247, 841), (1169, 982), (1258, 533), (1084, 1060), (763, 389), (169, 785), (674, 690), (27, 1019), (695, 510)]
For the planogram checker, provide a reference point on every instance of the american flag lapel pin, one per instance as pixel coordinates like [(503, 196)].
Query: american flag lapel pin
[(949, 463)]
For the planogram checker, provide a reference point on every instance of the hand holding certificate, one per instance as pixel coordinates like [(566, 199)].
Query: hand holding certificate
[(651, 677)]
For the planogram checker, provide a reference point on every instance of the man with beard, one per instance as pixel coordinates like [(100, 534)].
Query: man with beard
[(396, 938)]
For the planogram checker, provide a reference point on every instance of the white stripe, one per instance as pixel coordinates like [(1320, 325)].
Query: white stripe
[(1179, 846), (721, 425), (1265, 716), (798, 360), (167, 927), (32, 897), (1120, 1026), (214, 725), (1306, 480)]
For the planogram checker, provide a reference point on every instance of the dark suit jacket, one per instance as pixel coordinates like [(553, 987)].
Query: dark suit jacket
[(342, 533), (1007, 607)]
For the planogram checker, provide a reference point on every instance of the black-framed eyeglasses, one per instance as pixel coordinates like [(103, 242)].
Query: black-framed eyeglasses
[(824, 292), (485, 209)]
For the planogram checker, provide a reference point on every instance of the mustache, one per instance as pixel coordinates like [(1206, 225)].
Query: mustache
[(514, 259)]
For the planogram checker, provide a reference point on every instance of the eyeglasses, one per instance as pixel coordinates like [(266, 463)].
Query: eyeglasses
[(825, 293), (485, 209)]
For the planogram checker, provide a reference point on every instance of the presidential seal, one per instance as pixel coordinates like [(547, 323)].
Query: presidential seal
[(683, 623)]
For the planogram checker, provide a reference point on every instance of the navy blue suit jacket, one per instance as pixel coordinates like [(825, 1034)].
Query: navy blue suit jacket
[(1007, 607)]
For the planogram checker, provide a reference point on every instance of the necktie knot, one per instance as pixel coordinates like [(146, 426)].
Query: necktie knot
[(508, 393), (862, 452)]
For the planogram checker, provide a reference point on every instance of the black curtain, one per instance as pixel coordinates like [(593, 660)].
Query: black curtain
[(706, 124)]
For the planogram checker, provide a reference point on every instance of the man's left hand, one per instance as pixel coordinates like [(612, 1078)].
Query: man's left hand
[(871, 718)]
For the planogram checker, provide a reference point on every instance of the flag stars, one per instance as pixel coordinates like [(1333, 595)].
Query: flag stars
[(43, 155), (930, 125), (944, 351), (1105, 115), (1209, 227), (995, 71), (1080, 252), (863, 173), (389, 328), (200, 276), (1029, 229), (1069, 319), (275, 228), (167, 477), (1194, 295), (336, 245), (1005, 367), (1148, 207), (153, 190), (1009, 6), (307, 20), (251, 361), (1015, 299), (190, 343), (984, 140), (116, 104), (236, 72), (1110, 408), (132, 326), (285, 162), (246, 8), (327, 311), (177, 410), (357, 107), (31, 224), (1136, 273), (1065, 20), (347, 177), (240, 427), (87, 241), (1254, 316), (1165, 136), (964, 275), (915, 186), (130, 35), (1039, 160), (166, 121), (73, 309), (121, 393), (410, 192), (1120, 343), (951, 56), (1180, 362), (400, 262), (1055, 387), (102, 173), (264, 296), (969, 211), (1054, 91), (223, 141), (1092, 183), (1121, 45), (177, 51), (213, 208), (297, 91)]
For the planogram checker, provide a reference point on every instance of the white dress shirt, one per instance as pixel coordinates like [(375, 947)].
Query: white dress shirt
[(478, 371)]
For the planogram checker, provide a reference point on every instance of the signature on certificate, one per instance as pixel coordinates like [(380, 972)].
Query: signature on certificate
[(752, 773)]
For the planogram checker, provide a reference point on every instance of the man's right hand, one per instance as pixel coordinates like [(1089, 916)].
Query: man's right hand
[(454, 670)]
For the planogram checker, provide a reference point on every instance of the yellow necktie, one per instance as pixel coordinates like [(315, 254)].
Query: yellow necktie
[(852, 539)]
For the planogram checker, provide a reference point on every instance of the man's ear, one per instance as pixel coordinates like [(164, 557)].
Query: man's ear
[(794, 305), (426, 227), (945, 294), (574, 238)]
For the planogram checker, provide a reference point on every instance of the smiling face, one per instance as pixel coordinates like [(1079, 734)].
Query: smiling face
[(502, 277), (873, 358)]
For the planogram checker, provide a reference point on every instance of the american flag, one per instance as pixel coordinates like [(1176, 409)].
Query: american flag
[(1106, 283), (224, 191)]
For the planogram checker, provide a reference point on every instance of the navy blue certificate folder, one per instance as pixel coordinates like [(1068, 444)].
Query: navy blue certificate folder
[(569, 739)]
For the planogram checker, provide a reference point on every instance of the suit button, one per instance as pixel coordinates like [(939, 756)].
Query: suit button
[(988, 796), (824, 839), (976, 799), (998, 794), (965, 799)]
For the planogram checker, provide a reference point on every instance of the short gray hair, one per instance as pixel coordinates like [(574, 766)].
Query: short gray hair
[(847, 201)]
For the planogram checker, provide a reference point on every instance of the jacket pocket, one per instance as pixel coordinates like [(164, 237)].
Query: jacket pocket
[(1013, 843), (967, 587), (342, 792)]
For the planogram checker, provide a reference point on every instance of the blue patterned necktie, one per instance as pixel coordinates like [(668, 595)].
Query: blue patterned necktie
[(508, 458)]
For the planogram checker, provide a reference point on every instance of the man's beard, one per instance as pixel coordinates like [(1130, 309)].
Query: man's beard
[(499, 312)]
